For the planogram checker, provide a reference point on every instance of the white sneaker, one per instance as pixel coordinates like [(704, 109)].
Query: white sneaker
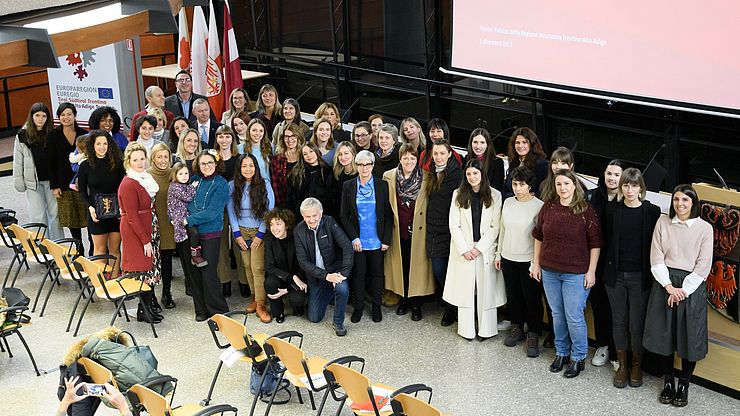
[(504, 325), (601, 356), (615, 364)]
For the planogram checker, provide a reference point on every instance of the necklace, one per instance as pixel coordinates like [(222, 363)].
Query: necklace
[(205, 198)]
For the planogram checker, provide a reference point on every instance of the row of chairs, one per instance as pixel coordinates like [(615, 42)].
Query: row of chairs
[(342, 379)]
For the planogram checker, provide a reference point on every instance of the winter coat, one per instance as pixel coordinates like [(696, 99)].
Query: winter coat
[(179, 196), (460, 287), (438, 212), (421, 280), (24, 169), (166, 231), (136, 225)]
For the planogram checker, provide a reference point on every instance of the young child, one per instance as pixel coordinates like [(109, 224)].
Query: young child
[(77, 157), (179, 195)]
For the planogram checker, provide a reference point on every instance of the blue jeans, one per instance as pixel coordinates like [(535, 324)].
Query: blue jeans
[(439, 269), (567, 298), (320, 293)]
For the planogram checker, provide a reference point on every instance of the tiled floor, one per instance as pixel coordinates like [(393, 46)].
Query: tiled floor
[(468, 377)]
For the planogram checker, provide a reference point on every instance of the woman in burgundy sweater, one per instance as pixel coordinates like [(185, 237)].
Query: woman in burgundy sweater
[(566, 249)]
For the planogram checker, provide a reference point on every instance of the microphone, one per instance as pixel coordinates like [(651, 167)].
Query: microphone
[(304, 92), (348, 111)]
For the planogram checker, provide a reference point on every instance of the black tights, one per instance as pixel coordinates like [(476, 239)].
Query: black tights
[(687, 368), (77, 233)]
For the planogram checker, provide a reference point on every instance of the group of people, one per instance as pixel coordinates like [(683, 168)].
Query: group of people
[(318, 215)]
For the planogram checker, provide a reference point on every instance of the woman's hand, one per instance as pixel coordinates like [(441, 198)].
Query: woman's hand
[(475, 252), (148, 249), (70, 395), (297, 280), (57, 192), (115, 398), (498, 264), (589, 280), (536, 272), (241, 243), (256, 242), (384, 247), (357, 246), (280, 293), (678, 293), (469, 255), (93, 216)]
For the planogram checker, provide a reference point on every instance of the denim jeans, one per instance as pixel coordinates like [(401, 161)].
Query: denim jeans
[(567, 298), (42, 207), (320, 293), (439, 269)]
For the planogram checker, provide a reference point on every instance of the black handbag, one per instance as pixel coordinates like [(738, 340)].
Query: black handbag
[(106, 206)]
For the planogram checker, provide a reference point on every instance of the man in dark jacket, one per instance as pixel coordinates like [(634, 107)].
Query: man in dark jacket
[(181, 102), (325, 253)]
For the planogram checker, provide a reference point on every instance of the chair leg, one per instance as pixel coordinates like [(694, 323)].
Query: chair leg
[(18, 270), (323, 402), (48, 294), (41, 287), (119, 304), (300, 396), (30, 355), (341, 406), (207, 400), (10, 268), (82, 314), (310, 396), (74, 309), (274, 392), (7, 347), (259, 392), (147, 313)]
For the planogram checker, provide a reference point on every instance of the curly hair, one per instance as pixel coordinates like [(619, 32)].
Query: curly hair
[(257, 188), (113, 155), (100, 113), (535, 149), (284, 215)]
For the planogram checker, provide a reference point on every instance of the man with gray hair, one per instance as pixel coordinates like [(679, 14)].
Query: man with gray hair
[(204, 123), (154, 99), (325, 254)]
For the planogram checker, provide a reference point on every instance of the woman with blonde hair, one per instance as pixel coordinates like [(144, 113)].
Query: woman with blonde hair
[(322, 136), (238, 101), (411, 132), (160, 163), (188, 147), (269, 109), (330, 112)]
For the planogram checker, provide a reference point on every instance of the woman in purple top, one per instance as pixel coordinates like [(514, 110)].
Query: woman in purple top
[(567, 244)]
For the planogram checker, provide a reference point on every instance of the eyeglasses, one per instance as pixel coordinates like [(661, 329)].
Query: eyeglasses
[(289, 136), (237, 99), (365, 165), (183, 80), (207, 164), (361, 135)]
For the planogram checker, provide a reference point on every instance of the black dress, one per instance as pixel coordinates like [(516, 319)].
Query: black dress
[(100, 179)]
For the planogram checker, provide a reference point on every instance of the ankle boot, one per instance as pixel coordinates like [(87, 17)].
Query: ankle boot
[(636, 371), (154, 305), (669, 390), (262, 312), (620, 378), (681, 398), (167, 300), (141, 316)]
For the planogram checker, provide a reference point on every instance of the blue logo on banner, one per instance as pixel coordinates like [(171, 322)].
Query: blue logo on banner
[(105, 93)]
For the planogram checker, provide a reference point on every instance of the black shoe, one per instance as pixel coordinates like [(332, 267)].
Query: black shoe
[(377, 314), (448, 318), (515, 336), (403, 308), (669, 391), (298, 311), (168, 302), (280, 318), (200, 317), (533, 345), (188, 291), (549, 341), (558, 363), (142, 317), (244, 290), (340, 330), (575, 368), (226, 289), (681, 398), (416, 313), (155, 307), (356, 316)]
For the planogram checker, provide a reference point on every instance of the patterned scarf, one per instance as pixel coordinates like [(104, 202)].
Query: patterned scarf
[(408, 189)]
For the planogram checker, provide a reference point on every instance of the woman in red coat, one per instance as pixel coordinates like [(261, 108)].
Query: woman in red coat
[(139, 228)]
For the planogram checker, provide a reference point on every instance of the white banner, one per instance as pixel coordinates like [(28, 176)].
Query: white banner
[(87, 79)]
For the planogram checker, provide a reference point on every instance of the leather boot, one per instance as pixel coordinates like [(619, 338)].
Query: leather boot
[(141, 315), (262, 312), (636, 370), (620, 378)]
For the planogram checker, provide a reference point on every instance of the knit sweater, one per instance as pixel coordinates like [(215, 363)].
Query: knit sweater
[(567, 238), (515, 235), (207, 208)]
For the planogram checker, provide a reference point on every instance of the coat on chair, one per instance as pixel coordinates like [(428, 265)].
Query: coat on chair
[(460, 284)]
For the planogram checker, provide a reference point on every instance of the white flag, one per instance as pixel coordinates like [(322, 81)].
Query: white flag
[(199, 55)]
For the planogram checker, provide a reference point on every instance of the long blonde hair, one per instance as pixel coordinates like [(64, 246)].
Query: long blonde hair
[(337, 167)]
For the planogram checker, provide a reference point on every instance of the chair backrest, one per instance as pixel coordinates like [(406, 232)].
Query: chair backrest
[(354, 383), (233, 330), (60, 255), (24, 236), (154, 403), (95, 270), (414, 406), (97, 373), (289, 354)]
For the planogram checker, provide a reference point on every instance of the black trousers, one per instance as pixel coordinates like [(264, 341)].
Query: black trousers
[(628, 300), (166, 259), (414, 301), (523, 294), (205, 284), (297, 298), (368, 269), (183, 252), (602, 318)]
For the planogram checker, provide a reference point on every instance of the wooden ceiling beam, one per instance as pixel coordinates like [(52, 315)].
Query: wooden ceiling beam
[(14, 53), (101, 34)]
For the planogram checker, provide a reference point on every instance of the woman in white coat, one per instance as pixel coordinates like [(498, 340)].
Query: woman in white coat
[(473, 284)]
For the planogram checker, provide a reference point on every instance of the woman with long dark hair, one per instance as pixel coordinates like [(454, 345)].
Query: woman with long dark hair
[(287, 153), (179, 125), (525, 149), (62, 142), (567, 243), (442, 181), (438, 130), (480, 147), (251, 199), (311, 177), (259, 145), (473, 283), (292, 115), (676, 322), (31, 169)]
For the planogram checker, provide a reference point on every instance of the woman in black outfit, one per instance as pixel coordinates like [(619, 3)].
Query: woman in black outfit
[(628, 231), (443, 178), (101, 174), (62, 142), (283, 275), (311, 176), (386, 156), (525, 149), (480, 147)]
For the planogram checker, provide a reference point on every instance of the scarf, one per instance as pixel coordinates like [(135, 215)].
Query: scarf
[(408, 189), (158, 136), (145, 179), (440, 169)]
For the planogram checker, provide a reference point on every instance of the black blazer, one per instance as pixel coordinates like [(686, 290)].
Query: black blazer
[(612, 226), (58, 148), (438, 211), (383, 214), (335, 247), (174, 104), (279, 263)]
